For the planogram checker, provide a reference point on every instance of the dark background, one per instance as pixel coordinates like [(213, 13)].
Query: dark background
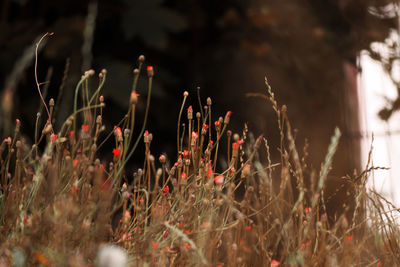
[(307, 48)]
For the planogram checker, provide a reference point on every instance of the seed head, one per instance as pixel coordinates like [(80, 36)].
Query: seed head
[(91, 72), (162, 159)]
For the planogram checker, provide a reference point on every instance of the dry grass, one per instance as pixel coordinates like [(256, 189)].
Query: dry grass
[(58, 206)]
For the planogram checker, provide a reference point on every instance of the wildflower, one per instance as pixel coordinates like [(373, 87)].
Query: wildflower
[(275, 263), (150, 71), (248, 228), (74, 189), (141, 201), (217, 124), (204, 127), (187, 232), (235, 146), (53, 137), (85, 127), (155, 245), (134, 97), (187, 246), (117, 131), (146, 137), (210, 173), (219, 180), (349, 238), (190, 113), (75, 162), (166, 190), (116, 152), (183, 176), (227, 117), (186, 153), (71, 134), (194, 135), (304, 245), (307, 210)]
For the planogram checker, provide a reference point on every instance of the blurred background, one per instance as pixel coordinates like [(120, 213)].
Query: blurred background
[(312, 52)]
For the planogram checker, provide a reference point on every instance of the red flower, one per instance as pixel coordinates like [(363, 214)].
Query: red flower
[(190, 109), (117, 131), (53, 137), (183, 176), (187, 246), (166, 190), (248, 227), (234, 146), (217, 124), (71, 134), (349, 238), (116, 152), (150, 71), (308, 210), (155, 245), (219, 180), (75, 162), (85, 127), (275, 263), (210, 173), (74, 189), (186, 153), (194, 135)]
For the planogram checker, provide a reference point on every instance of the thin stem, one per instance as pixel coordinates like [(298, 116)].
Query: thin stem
[(36, 63)]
